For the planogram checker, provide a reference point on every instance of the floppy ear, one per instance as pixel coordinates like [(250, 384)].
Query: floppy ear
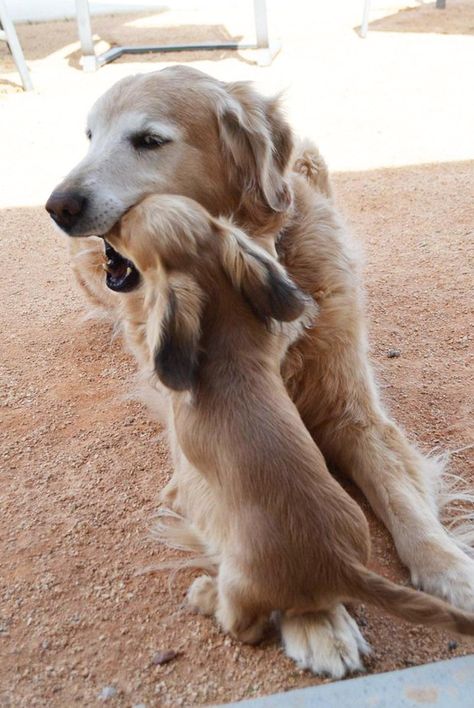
[(263, 282), (259, 143), (174, 334)]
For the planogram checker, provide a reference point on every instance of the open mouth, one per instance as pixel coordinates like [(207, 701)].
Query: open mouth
[(122, 276)]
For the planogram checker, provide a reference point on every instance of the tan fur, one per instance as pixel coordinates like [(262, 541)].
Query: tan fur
[(226, 141), (310, 163), (286, 536)]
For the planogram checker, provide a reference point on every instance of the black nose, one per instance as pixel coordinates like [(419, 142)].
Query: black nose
[(65, 208)]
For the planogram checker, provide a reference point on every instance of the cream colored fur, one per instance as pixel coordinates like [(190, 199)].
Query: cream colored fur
[(232, 151)]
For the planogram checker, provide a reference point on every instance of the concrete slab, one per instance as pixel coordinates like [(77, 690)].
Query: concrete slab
[(445, 684)]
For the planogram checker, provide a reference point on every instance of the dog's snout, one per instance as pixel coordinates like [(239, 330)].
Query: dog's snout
[(65, 208)]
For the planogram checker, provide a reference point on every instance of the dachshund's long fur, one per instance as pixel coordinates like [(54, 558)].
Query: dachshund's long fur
[(232, 150), (283, 533)]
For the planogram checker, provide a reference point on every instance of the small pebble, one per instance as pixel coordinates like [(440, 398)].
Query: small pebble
[(163, 657), (452, 645), (393, 353), (107, 692)]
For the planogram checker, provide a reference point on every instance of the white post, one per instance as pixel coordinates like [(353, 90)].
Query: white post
[(11, 39), (89, 59), (261, 24), (364, 27)]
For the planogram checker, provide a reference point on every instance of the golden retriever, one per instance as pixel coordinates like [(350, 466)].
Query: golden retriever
[(282, 532), (179, 131)]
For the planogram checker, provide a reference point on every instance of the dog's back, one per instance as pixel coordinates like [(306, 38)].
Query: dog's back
[(285, 514), (291, 526)]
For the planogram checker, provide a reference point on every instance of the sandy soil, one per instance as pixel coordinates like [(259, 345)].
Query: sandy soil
[(82, 467)]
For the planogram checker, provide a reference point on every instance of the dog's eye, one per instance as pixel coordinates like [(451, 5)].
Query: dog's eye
[(89, 134), (148, 141)]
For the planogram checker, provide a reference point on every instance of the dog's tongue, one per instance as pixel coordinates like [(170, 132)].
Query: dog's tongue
[(122, 276)]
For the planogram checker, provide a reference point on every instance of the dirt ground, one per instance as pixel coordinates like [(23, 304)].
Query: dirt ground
[(80, 620), (82, 467)]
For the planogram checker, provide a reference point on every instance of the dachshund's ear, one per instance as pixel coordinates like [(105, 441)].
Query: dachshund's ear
[(263, 282), (258, 142), (175, 334)]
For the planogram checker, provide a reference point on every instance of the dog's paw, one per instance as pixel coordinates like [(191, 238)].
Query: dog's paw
[(328, 643), (452, 580), (202, 595)]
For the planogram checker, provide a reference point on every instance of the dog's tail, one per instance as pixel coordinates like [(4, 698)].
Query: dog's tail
[(408, 604)]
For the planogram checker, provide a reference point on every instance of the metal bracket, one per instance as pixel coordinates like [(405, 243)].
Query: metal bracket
[(90, 61)]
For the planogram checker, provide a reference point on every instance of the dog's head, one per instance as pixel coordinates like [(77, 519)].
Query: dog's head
[(189, 261), (177, 131)]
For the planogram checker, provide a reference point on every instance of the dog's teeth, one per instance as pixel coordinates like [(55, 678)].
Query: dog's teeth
[(106, 265)]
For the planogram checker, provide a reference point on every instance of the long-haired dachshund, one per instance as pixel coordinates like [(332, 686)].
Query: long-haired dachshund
[(282, 532)]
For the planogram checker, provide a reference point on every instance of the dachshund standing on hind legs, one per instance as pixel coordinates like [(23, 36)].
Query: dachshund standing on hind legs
[(218, 313)]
